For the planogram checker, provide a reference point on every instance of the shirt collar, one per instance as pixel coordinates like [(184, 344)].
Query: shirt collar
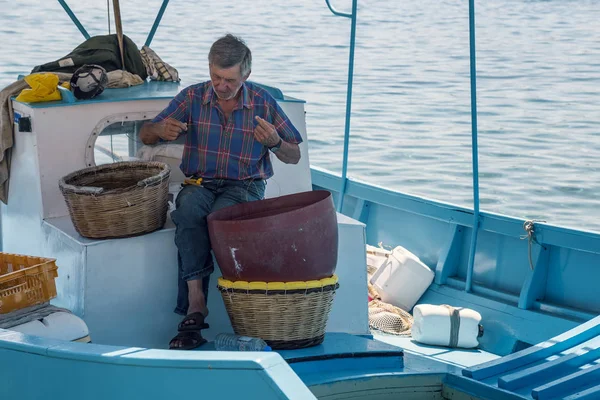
[(243, 101)]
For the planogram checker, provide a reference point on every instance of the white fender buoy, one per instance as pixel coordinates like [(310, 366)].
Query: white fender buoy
[(446, 326)]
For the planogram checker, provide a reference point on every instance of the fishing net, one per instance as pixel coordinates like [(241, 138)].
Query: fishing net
[(389, 319)]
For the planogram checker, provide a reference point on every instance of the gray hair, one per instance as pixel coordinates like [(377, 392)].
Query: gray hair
[(230, 51)]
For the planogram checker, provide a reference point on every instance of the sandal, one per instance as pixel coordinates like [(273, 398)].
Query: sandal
[(198, 324), (189, 340)]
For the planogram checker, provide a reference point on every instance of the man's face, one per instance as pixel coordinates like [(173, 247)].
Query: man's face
[(226, 81)]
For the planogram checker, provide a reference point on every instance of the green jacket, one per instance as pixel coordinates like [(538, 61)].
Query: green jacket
[(99, 50)]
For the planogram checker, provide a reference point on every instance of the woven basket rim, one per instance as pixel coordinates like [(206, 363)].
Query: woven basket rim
[(269, 286), (273, 292), (67, 188)]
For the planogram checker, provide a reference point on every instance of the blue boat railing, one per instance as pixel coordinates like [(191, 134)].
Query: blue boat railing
[(352, 17), (86, 35), (159, 16), (474, 148), (71, 14)]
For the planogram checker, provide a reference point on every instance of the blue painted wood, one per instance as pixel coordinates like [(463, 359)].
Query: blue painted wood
[(490, 222), (449, 257), (66, 95), (573, 280), (474, 148), (479, 390), (151, 90), (532, 375), (500, 318), (361, 211), (592, 393), (484, 291), (567, 384), (336, 12), (34, 368), (353, 17), (548, 370), (501, 262), (156, 23), (336, 344), (566, 312), (71, 15), (571, 338), (416, 205), (534, 286)]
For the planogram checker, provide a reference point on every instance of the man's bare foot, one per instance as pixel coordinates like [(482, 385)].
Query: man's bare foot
[(196, 299)]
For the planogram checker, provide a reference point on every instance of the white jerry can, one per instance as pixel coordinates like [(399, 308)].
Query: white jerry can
[(402, 279)]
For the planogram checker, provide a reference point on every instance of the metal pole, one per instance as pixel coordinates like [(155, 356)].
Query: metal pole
[(156, 22), (74, 19), (473, 74), (352, 17)]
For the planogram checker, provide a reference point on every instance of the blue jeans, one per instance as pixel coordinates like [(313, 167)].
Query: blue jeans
[(193, 204)]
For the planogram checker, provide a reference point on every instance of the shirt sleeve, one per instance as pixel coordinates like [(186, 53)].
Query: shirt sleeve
[(286, 130), (178, 108)]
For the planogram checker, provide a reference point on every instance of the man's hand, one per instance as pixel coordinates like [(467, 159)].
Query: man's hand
[(265, 133), (170, 129)]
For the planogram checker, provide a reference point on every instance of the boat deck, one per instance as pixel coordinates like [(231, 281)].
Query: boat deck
[(564, 367)]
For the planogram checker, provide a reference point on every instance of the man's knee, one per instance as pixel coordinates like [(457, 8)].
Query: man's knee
[(193, 202)]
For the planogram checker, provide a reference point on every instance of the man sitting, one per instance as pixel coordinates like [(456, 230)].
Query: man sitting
[(230, 126)]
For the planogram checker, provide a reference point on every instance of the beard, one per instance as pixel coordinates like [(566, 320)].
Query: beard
[(227, 96)]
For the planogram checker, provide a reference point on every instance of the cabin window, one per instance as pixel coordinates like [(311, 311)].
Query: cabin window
[(116, 138), (117, 142)]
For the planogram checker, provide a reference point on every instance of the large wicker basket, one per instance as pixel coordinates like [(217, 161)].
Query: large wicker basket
[(117, 200), (288, 316)]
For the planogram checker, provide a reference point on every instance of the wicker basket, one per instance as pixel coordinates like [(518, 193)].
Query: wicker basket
[(285, 315), (117, 200), (25, 281)]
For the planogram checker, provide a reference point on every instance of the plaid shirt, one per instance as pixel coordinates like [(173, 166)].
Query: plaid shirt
[(220, 149)]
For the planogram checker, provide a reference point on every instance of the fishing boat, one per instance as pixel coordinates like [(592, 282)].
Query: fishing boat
[(534, 284)]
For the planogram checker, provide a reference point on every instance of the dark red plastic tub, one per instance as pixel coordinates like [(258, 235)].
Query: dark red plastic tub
[(283, 239)]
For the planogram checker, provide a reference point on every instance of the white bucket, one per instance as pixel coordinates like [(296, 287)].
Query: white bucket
[(433, 325), (402, 279)]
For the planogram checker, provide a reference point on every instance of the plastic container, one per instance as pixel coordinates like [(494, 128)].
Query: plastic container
[(231, 342), (376, 257), (433, 325), (402, 279), (25, 281)]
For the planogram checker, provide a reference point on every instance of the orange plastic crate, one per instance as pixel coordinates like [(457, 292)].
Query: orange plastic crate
[(25, 281)]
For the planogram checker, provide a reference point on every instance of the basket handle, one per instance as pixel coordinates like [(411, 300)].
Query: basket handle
[(81, 189), (152, 180)]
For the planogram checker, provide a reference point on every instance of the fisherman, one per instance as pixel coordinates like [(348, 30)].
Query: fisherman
[(231, 125)]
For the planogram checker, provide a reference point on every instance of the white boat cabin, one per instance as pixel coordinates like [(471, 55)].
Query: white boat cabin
[(125, 289)]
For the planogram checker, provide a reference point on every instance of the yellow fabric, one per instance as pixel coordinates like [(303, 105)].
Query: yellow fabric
[(43, 88), (243, 285)]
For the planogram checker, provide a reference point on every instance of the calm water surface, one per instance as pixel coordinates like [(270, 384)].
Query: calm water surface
[(538, 86)]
